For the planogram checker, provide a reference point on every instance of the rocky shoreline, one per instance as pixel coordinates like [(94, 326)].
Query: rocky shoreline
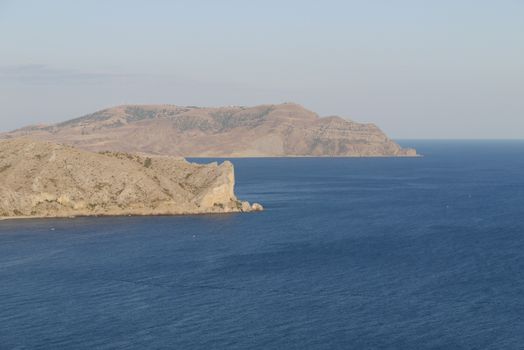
[(47, 180)]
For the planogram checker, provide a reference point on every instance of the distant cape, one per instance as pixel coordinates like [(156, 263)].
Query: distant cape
[(281, 130)]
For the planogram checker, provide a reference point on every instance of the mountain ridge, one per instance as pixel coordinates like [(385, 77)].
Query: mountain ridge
[(231, 131)]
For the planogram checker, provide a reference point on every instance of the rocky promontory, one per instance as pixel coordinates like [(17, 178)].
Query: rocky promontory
[(43, 179)]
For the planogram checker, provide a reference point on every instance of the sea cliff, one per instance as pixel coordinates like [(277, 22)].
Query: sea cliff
[(44, 179)]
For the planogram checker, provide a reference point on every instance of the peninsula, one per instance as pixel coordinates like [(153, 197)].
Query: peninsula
[(283, 130), (43, 179)]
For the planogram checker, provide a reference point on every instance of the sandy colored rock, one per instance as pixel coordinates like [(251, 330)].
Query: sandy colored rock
[(43, 179), (257, 207), (268, 130)]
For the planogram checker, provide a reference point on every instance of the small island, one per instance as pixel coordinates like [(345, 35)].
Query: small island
[(45, 179)]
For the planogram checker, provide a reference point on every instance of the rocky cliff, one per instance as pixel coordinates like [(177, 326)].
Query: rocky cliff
[(267, 130), (42, 179)]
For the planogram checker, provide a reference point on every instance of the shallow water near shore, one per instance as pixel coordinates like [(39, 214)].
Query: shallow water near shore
[(378, 253)]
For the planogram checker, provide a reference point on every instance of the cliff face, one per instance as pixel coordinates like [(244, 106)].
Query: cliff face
[(43, 179), (268, 130)]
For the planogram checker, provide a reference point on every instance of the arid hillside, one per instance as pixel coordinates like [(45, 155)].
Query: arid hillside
[(267, 130), (42, 179)]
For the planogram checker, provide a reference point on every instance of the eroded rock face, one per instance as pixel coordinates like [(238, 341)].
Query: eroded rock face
[(43, 179), (268, 130)]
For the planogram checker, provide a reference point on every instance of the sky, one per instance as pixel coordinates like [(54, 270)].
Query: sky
[(418, 69)]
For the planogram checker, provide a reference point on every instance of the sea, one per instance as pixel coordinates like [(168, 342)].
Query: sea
[(350, 253)]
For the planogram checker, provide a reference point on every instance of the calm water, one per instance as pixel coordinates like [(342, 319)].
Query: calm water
[(421, 253)]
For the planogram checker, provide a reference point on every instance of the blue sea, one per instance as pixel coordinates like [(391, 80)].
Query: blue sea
[(369, 253)]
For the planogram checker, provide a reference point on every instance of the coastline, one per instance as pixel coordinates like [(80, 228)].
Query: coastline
[(29, 217), (300, 156)]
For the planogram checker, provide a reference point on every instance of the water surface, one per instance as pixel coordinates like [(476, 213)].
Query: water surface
[(412, 253)]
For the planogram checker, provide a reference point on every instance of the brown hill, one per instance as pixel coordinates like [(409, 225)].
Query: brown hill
[(42, 179), (267, 130)]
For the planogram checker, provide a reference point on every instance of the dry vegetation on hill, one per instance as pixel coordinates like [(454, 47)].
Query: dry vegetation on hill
[(42, 179), (235, 131)]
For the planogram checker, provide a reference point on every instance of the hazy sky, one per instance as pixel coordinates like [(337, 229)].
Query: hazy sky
[(418, 69)]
